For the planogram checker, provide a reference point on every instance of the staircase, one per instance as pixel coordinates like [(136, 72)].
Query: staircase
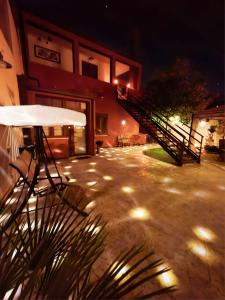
[(183, 144)]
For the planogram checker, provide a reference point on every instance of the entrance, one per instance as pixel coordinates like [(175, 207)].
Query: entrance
[(67, 140)]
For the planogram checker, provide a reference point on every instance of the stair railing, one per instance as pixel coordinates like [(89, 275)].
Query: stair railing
[(195, 148)]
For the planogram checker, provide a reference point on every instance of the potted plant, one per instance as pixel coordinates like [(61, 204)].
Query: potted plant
[(98, 145)]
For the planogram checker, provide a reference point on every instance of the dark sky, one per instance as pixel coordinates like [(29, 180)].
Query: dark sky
[(153, 31)]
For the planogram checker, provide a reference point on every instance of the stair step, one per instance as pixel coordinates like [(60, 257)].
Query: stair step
[(158, 131)]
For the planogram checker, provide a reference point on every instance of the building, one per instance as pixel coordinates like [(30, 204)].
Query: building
[(210, 122), (65, 70)]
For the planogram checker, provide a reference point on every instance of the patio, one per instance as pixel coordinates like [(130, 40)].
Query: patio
[(177, 211)]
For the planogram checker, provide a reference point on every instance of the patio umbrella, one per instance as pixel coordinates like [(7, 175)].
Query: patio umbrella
[(37, 116), (40, 115)]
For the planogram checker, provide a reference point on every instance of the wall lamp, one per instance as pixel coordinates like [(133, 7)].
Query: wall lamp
[(4, 64)]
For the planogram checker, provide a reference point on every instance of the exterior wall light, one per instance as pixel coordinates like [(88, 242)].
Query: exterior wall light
[(123, 122), (115, 81), (4, 64), (202, 123), (128, 85)]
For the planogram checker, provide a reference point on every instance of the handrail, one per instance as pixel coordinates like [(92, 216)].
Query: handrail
[(188, 133), (167, 123), (164, 117)]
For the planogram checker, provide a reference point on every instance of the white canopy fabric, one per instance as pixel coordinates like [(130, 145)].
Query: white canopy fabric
[(40, 115)]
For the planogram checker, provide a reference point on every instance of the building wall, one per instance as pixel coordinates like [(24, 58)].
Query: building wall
[(9, 93), (102, 93)]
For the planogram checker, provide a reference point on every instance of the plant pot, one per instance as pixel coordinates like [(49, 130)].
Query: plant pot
[(98, 146)]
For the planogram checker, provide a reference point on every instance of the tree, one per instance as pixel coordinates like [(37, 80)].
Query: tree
[(179, 90)]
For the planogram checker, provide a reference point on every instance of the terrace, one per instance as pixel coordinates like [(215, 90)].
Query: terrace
[(176, 211)]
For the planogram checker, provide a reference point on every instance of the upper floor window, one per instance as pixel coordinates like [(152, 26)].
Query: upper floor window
[(126, 74), (48, 49), (93, 64)]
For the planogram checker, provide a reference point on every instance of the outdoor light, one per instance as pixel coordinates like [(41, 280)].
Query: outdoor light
[(116, 81), (90, 205), (139, 213), (173, 191), (108, 178), (123, 122), (204, 234), (221, 187), (91, 170), (128, 85), (120, 272), (175, 120), (11, 200), (93, 229), (4, 217), (202, 251), (72, 180), (127, 189), (91, 183), (168, 278), (202, 123), (32, 199), (4, 64), (66, 173)]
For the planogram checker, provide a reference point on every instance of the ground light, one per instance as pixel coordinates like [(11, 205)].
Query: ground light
[(201, 194), (17, 189), (72, 180), (4, 217), (166, 179), (93, 229), (173, 191), (91, 183), (221, 187), (32, 199), (90, 205), (66, 173), (127, 189), (204, 234), (139, 213), (91, 170), (202, 251), (121, 272), (11, 201), (168, 278), (92, 163), (107, 177)]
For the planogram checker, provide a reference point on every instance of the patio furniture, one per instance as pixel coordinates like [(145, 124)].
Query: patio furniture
[(123, 141), (37, 116)]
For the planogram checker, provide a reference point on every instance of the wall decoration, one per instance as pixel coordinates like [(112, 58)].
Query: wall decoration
[(47, 54)]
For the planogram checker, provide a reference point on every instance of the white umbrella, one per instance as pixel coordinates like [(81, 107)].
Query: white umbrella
[(40, 115)]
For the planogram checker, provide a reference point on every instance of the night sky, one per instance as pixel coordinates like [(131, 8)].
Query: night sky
[(155, 32)]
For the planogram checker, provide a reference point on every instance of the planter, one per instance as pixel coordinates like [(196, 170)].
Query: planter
[(98, 146)]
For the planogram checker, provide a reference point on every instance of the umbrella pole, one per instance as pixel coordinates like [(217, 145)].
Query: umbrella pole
[(43, 160), (41, 157)]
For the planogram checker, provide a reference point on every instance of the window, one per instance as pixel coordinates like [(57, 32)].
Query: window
[(94, 64), (126, 74), (89, 69), (101, 124)]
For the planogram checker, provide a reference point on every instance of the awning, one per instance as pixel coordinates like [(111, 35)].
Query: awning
[(40, 115)]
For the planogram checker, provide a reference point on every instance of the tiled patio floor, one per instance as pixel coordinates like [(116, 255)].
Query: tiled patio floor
[(179, 211)]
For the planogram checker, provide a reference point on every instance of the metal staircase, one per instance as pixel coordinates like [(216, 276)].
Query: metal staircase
[(182, 143)]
